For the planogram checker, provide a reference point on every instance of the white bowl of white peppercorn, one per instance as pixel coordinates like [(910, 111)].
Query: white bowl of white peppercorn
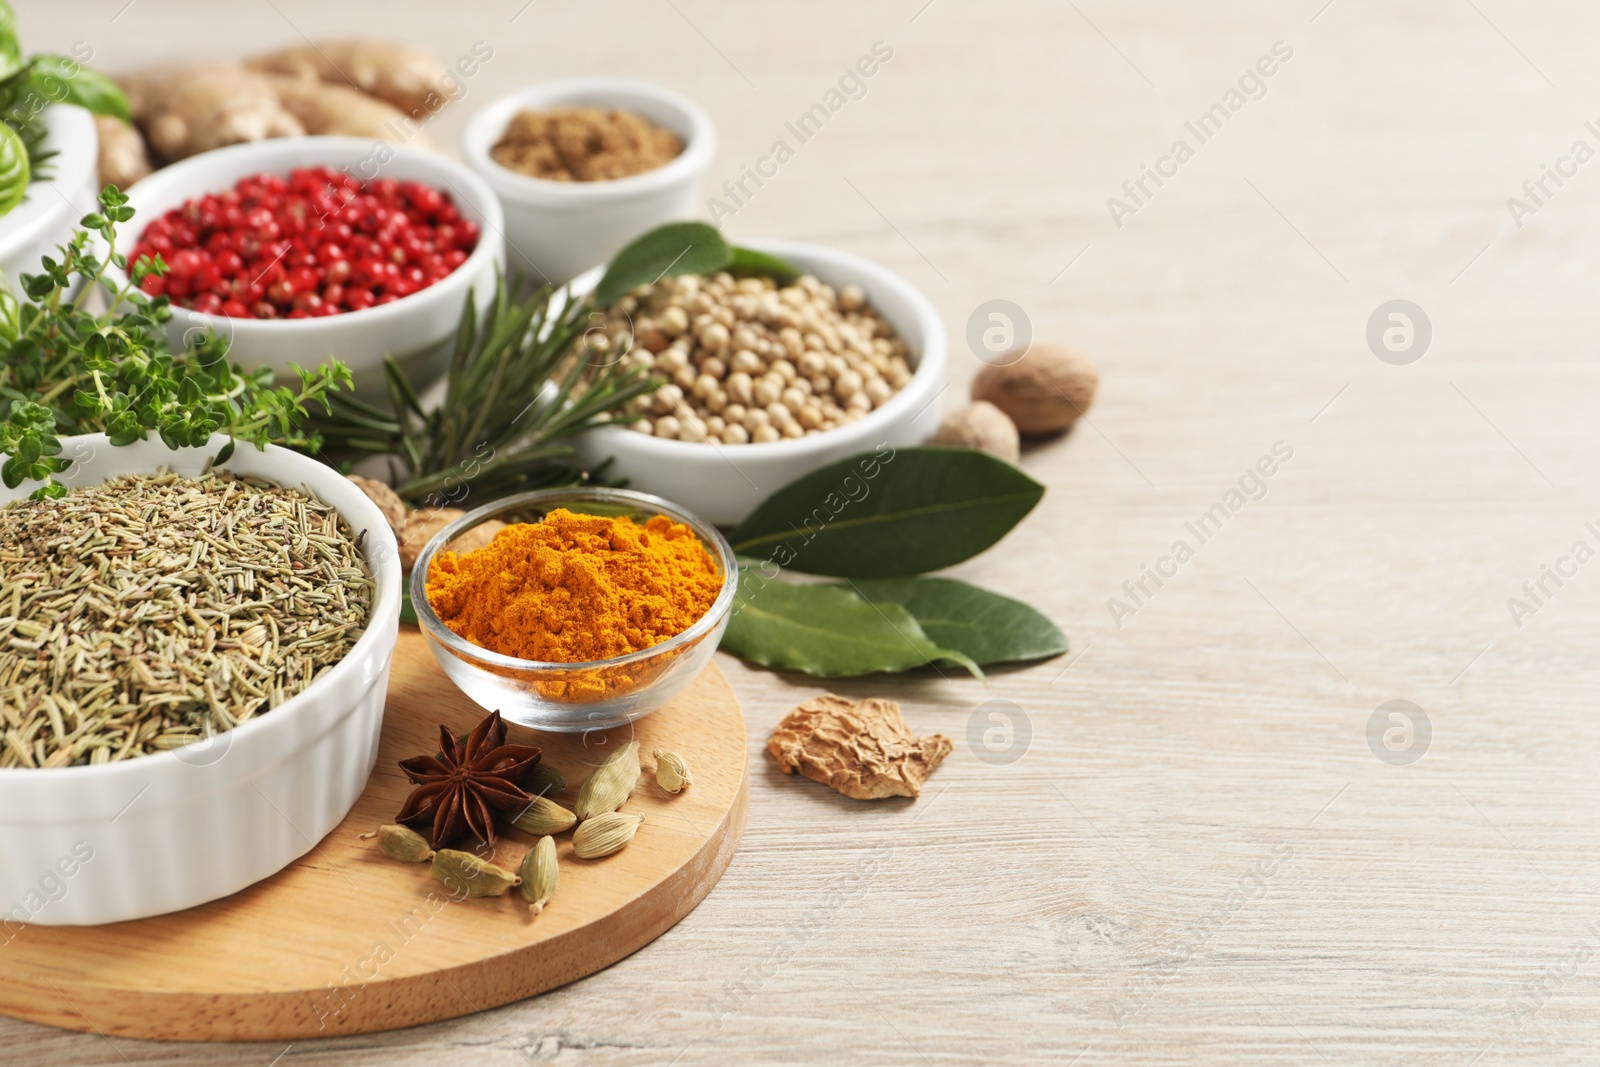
[(143, 836), (724, 481)]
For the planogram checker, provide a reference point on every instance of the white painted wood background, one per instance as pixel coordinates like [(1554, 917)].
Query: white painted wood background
[(1197, 858)]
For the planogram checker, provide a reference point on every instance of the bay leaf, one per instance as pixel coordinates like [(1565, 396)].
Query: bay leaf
[(747, 262), (65, 81), (889, 514), (987, 627), (826, 630), (665, 252)]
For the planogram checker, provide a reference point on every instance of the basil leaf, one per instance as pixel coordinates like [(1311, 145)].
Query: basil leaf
[(987, 627), (665, 252), (747, 261), (10, 46), (65, 81), (14, 171), (889, 514), (826, 630)]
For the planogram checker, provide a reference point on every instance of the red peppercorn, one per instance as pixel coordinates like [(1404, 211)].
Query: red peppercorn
[(317, 242)]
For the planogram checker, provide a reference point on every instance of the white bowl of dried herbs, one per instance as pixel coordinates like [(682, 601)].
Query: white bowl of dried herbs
[(193, 663)]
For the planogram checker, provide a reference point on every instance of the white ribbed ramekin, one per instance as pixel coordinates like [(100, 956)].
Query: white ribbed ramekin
[(160, 833)]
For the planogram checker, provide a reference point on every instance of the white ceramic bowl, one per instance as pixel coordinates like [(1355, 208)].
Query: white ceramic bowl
[(418, 330), (554, 230), (160, 833), (53, 206), (724, 483)]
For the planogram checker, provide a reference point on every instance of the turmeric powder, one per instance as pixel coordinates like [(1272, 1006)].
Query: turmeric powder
[(576, 588)]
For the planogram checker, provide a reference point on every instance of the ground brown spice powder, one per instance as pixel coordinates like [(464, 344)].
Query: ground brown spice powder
[(583, 144)]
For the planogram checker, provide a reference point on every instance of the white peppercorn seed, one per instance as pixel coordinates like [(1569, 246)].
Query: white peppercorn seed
[(674, 320), (766, 391)]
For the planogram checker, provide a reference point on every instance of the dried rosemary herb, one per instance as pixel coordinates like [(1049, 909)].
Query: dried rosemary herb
[(151, 612)]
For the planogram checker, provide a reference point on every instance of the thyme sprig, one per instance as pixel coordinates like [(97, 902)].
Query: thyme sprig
[(65, 369)]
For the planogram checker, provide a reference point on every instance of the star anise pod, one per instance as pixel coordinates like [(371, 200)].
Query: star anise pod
[(460, 789)]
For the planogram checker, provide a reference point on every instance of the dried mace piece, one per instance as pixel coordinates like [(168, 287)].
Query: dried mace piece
[(459, 790), (672, 773), (464, 872), (864, 750), (539, 874), (401, 843), (604, 834), (545, 816), (611, 784)]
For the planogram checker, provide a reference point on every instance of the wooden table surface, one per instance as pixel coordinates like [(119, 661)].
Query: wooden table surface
[(1187, 849)]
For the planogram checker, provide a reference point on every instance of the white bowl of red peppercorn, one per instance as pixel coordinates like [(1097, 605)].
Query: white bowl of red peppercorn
[(307, 247)]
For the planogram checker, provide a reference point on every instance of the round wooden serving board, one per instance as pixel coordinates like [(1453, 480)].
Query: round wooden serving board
[(346, 941)]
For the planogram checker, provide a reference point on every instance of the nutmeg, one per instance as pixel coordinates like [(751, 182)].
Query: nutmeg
[(1044, 392), (394, 509), (984, 426)]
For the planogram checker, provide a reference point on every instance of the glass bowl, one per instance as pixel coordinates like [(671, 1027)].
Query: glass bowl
[(574, 697)]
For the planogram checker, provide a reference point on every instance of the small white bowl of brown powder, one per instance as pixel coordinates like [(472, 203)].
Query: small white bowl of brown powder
[(583, 166)]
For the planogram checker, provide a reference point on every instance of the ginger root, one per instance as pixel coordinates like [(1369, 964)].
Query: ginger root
[(864, 750), (338, 110), (189, 110), (409, 78), (423, 524), (123, 159)]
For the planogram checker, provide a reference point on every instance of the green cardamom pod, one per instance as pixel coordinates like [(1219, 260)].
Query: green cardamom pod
[(545, 816), (611, 784), (401, 843), (539, 874), (604, 834), (463, 870), (672, 773), (544, 781)]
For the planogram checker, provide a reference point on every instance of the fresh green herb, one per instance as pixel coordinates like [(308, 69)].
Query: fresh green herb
[(66, 370), (925, 509), (827, 630), (877, 519), (15, 172), (747, 262), (518, 389), (683, 248), (29, 86), (665, 252), (986, 627)]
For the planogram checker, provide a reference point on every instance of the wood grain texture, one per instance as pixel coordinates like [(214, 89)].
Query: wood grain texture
[(346, 941), (1036, 911)]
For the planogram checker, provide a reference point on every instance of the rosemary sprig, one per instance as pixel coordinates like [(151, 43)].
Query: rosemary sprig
[(517, 390)]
